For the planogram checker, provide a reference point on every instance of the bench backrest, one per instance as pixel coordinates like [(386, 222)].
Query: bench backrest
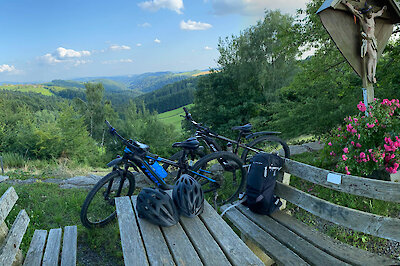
[(384, 227), (11, 239)]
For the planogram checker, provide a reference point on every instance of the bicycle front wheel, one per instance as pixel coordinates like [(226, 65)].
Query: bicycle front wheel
[(99, 206), (221, 175), (268, 143)]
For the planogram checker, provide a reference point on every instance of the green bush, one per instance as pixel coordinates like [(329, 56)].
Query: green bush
[(12, 160), (367, 143)]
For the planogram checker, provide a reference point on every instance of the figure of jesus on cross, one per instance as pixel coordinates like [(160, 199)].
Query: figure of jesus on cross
[(369, 44)]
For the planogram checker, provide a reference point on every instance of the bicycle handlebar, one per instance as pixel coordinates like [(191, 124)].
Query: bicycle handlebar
[(188, 116), (134, 145)]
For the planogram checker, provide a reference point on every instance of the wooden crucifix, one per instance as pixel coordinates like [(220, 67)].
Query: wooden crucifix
[(360, 30)]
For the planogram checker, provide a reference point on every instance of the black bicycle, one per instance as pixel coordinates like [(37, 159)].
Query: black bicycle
[(221, 175), (265, 141)]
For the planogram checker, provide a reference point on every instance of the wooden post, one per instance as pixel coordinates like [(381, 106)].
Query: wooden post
[(366, 84)]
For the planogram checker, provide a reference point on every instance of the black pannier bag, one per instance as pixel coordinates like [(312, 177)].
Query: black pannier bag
[(261, 180)]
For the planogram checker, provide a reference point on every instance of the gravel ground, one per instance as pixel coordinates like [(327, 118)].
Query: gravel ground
[(88, 257)]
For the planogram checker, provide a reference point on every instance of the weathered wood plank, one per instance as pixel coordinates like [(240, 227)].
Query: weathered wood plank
[(154, 242), (131, 241), (69, 248), (7, 201), (205, 245), (14, 238), (376, 225), (36, 248), (332, 246), (235, 250), (52, 251), (371, 188), (304, 249), (180, 246), (269, 245)]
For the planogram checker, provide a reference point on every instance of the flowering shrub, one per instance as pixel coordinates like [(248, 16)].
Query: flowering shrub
[(367, 143)]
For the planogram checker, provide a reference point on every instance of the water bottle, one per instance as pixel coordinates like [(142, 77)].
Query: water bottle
[(160, 171)]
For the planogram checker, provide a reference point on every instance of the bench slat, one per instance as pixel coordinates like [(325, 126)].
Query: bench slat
[(371, 188), (208, 250), (36, 248), (380, 226), (52, 251), (304, 249), (7, 201), (156, 247), (132, 245), (269, 245), (14, 238), (345, 252), (69, 248), (180, 246), (234, 248)]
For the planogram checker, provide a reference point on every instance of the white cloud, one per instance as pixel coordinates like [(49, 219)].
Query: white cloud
[(193, 25), (255, 7), (63, 55), (157, 40), (207, 48), (155, 5), (108, 62), (138, 44), (119, 47), (145, 25), (7, 68)]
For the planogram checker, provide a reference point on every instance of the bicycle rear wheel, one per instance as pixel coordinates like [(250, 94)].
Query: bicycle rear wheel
[(221, 175), (268, 143), (99, 206)]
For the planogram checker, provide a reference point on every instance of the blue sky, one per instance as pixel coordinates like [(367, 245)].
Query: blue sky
[(43, 40)]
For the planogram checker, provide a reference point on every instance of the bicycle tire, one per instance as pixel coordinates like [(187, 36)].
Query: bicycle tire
[(229, 183), (102, 205), (265, 143)]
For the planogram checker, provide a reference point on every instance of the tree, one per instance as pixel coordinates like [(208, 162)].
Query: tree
[(95, 109), (253, 66)]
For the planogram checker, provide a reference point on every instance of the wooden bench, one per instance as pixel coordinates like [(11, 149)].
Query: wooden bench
[(288, 241), (193, 241), (10, 254)]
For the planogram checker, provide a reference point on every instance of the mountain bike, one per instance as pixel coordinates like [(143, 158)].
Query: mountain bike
[(221, 175), (265, 141)]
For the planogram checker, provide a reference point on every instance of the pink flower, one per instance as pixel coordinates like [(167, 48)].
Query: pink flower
[(370, 150), (358, 145), (370, 125), (349, 127), (344, 157), (362, 155), (346, 150), (330, 143), (361, 107), (347, 170), (352, 143), (332, 153), (354, 131), (339, 128)]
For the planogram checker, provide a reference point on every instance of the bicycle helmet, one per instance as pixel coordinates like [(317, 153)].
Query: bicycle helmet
[(188, 196), (157, 207)]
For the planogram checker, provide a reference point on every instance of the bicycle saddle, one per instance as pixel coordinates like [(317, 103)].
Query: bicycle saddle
[(190, 144), (245, 129)]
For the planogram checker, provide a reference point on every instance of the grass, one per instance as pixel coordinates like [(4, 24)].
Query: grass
[(27, 88), (173, 117), (348, 236), (49, 207)]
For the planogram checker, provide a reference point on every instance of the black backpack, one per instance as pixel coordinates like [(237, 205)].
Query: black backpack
[(261, 180)]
